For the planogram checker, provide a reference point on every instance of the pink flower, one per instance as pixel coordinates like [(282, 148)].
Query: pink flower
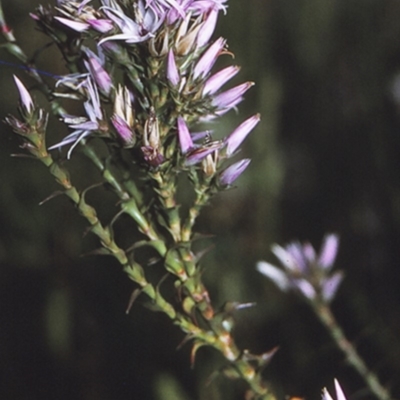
[(216, 81), (303, 270), (185, 139), (230, 98), (236, 138), (207, 60), (229, 175), (339, 393), (172, 69)]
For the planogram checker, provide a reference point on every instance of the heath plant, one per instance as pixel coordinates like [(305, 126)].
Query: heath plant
[(143, 73)]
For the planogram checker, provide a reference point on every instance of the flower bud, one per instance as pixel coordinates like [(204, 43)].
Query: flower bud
[(235, 139), (207, 28), (98, 73), (208, 59), (25, 98), (185, 139), (229, 175), (216, 81), (230, 98), (172, 69)]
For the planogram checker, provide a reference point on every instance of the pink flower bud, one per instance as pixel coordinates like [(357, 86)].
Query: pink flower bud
[(235, 139), (172, 69), (74, 25), (229, 175), (207, 28), (185, 139), (101, 25), (208, 59), (99, 74), (216, 81), (230, 98)]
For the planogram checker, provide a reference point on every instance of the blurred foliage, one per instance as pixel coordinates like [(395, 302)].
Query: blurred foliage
[(325, 158)]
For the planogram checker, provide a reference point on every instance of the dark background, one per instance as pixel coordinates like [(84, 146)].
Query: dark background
[(325, 159)]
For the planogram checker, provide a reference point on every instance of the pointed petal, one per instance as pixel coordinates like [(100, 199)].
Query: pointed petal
[(25, 97), (74, 25), (275, 274), (305, 288), (236, 138), (331, 285), (339, 392), (328, 251), (326, 395), (101, 25), (172, 69), (285, 258), (207, 28), (231, 97)]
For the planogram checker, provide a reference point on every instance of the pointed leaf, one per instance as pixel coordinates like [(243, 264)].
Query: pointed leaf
[(135, 294)]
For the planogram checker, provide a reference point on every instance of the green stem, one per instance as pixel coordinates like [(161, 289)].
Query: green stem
[(129, 204), (325, 315), (202, 198)]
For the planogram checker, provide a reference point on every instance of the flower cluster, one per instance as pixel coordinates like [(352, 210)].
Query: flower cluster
[(154, 64), (304, 271)]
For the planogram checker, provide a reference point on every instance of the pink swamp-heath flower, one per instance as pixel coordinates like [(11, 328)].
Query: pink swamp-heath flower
[(74, 25), (230, 98), (98, 73), (229, 175), (25, 97), (236, 138), (139, 30), (216, 81), (328, 252), (208, 59), (303, 270), (122, 118), (207, 28), (84, 126), (100, 25)]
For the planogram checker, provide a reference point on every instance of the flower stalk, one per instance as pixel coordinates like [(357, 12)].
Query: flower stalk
[(310, 275), (324, 314)]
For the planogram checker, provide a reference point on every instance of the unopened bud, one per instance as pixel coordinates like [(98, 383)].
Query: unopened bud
[(25, 97)]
